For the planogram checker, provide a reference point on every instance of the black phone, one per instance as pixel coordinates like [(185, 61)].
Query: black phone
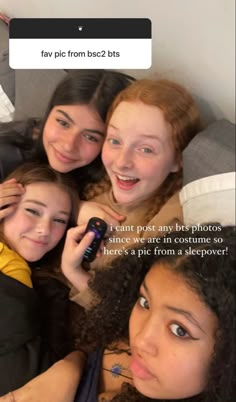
[(99, 227)]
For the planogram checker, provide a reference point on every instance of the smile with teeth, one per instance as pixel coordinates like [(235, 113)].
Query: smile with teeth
[(126, 182), (126, 178)]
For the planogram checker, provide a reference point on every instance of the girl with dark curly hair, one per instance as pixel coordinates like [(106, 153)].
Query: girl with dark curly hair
[(182, 325), (177, 306)]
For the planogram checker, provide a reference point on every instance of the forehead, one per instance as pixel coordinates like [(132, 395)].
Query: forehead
[(165, 280), (167, 288), (137, 115), (47, 193)]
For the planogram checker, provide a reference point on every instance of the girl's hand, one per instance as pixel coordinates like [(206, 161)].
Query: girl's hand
[(58, 384), (10, 193), (90, 209), (72, 256)]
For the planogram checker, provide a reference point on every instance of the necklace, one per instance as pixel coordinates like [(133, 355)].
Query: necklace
[(117, 370)]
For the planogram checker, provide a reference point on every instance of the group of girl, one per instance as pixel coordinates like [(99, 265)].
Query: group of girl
[(142, 128)]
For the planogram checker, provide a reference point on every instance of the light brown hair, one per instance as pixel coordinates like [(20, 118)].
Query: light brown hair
[(30, 173)]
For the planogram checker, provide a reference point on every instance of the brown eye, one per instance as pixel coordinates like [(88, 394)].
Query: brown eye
[(91, 138), (63, 123), (179, 331), (142, 301)]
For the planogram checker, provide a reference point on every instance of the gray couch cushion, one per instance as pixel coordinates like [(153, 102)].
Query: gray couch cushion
[(33, 91), (211, 152), (7, 75)]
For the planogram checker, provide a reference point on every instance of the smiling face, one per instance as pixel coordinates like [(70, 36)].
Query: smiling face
[(39, 222), (171, 336), (72, 137), (138, 152)]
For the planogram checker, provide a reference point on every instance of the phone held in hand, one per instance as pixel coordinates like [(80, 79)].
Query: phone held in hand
[(99, 227)]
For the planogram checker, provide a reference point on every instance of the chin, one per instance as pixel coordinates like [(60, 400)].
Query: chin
[(30, 258), (59, 168), (145, 390)]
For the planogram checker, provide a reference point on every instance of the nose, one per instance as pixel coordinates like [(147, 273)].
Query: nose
[(124, 159), (44, 227), (69, 141), (146, 340)]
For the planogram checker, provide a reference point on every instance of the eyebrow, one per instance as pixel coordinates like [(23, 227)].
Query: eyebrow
[(177, 310), (67, 116), (154, 137), (44, 205)]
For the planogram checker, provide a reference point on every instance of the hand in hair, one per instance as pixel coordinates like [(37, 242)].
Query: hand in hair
[(10, 193)]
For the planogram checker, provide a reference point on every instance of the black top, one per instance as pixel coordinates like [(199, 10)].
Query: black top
[(88, 388), (20, 344), (29, 343), (10, 158), (16, 145)]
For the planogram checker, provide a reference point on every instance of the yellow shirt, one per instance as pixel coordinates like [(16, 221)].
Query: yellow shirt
[(13, 265)]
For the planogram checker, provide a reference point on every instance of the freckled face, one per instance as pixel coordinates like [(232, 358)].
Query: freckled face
[(171, 336), (72, 137), (138, 152), (39, 222)]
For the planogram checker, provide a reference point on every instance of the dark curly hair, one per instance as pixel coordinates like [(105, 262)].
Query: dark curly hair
[(209, 269)]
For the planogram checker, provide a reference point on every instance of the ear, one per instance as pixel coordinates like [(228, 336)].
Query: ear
[(177, 164)]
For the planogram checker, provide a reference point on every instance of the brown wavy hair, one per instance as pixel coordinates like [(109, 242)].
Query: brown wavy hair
[(180, 111)]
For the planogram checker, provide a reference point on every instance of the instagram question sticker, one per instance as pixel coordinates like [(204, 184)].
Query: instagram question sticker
[(71, 43)]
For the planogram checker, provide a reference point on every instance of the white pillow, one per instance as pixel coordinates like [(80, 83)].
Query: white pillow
[(210, 199), (6, 107)]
